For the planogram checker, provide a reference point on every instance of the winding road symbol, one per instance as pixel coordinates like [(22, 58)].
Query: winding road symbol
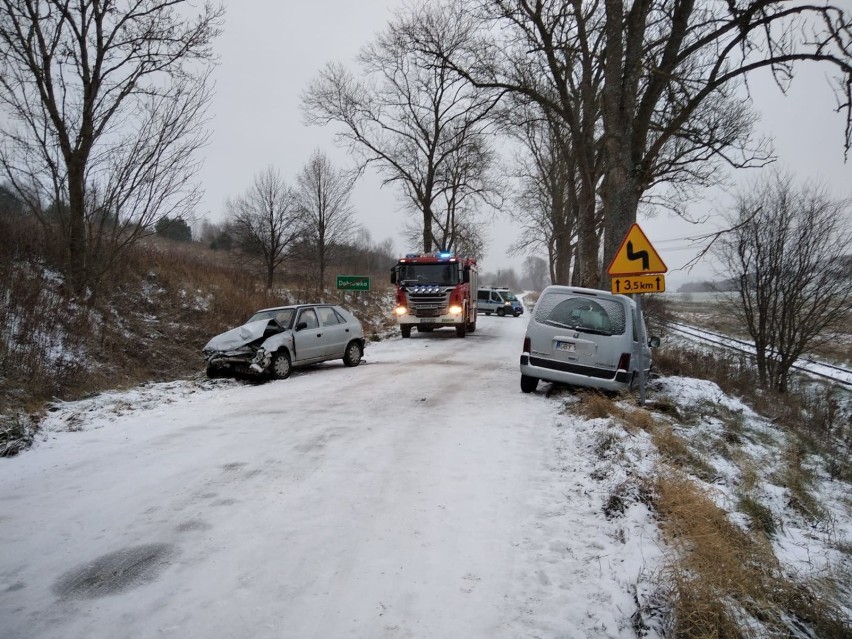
[(635, 256)]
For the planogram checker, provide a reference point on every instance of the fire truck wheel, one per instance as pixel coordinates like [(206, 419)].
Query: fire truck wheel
[(528, 384), (353, 354), (500, 312), (461, 330), (406, 330), (471, 326)]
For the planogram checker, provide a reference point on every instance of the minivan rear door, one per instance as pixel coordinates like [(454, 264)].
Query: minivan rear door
[(583, 330)]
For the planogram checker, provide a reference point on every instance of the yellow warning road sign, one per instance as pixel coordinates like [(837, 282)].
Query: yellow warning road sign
[(636, 256), (631, 285)]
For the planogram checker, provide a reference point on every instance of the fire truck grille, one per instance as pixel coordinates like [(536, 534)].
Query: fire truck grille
[(429, 304)]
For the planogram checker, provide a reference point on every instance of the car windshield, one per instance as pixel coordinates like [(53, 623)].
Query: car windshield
[(598, 316), (442, 274), (509, 296), (284, 316)]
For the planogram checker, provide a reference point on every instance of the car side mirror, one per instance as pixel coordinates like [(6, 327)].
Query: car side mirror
[(654, 342), (301, 325)]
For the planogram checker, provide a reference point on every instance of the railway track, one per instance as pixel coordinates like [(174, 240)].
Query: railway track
[(838, 374)]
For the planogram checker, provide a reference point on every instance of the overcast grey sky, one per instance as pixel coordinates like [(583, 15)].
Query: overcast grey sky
[(271, 49)]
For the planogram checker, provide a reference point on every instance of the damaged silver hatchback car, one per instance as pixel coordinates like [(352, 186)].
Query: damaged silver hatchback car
[(274, 341)]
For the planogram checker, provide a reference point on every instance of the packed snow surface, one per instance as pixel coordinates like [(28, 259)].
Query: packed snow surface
[(420, 494)]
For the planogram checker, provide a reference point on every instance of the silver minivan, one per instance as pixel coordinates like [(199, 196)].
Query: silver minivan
[(585, 337)]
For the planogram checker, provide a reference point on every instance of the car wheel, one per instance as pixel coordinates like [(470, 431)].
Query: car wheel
[(500, 312), (634, 382), (353, 354), (281, 367), (488, 312), (406, 330), (517, 314), (216, 372), (528, 384)]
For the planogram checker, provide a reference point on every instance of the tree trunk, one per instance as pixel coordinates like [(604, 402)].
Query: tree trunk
[(427, 230), (561, 273), (620, 192), (621, 202), (76, 227), (586, 270)]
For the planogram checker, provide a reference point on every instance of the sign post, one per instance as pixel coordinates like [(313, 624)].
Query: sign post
[(635, 269)]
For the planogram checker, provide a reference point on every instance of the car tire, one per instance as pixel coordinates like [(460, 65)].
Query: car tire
[(488, 312), (405, 329), (280, 367), (500, 312), (517, 314), (633, 385), (528, 384), (353, 354), (216, 372)]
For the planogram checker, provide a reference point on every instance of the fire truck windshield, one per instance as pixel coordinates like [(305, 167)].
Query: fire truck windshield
[(441, 274)]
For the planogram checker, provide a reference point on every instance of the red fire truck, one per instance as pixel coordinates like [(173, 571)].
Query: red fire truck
[(435, 290)]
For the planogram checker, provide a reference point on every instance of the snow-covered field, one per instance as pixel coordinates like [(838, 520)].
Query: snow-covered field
[(418, 495)]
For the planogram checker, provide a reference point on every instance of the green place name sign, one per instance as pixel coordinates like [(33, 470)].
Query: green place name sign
[(353, 283)]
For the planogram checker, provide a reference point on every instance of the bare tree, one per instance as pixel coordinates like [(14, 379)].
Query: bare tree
[(421, 125), (546, 53), (106, 101), (324, 202), (535, 272), (671, 70), (267, 221), (789, 254), (653, 81), (546, 204)]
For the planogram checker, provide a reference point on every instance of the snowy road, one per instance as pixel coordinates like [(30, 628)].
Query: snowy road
[(419, 495)]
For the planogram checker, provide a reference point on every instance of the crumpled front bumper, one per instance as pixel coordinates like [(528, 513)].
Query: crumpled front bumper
[(256, 359)]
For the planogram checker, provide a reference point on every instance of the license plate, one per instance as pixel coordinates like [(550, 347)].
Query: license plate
[(566, 346)]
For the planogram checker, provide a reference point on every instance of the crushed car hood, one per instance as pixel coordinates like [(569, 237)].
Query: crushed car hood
[(239, 336)]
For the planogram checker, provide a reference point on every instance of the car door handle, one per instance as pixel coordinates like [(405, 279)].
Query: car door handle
[(319, 334)]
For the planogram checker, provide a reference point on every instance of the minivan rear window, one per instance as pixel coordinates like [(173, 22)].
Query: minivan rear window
[(582, 313)]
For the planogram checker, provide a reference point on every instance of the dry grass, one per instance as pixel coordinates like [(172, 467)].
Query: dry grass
[(148, 322), (638, 419), (761, 517), (678, 454), (726, 582), (718, 568), (593, 405), (811, 412), (673, 449), (797, 479)]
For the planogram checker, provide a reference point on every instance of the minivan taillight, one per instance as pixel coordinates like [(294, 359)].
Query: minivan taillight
[(624, 362), (526, 345)]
